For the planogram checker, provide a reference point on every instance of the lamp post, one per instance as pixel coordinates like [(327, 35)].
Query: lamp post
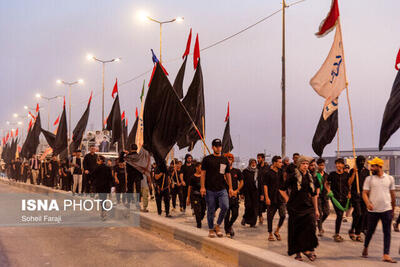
[(48, 106), (69, 84), (144, 16), (103, 63)]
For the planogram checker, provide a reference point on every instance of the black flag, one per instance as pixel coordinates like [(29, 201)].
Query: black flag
[(77, 134), (61, 141), (178, 83), (13, 148), (132, 135), (326, 131), (114, 121), (227, 145), (194, 103), (391, 116), (32, 140), (50, 138), (163, 117)]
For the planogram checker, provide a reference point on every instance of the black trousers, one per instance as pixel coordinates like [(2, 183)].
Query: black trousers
[(176, 192), (231, 214), (271, 211), (323, 207), (398, 220), (339, 215), (359, 216), (199, 207), (184, 196), (160, 196), (373, 219)]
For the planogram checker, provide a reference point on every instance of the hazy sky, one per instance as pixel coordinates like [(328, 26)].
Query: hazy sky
[(45, 40)]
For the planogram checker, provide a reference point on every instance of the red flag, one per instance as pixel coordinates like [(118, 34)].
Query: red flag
[(64, 102), (7, 136), (137, 113), (227, 114), (115, 90), (4, 140), (397, 66), (196, 54), (328, 24), (37, 107), (123, 115), (12, 134), (188, 44), (126, 120), (30, 124), (91, 95), (16, 133), (57, 120)]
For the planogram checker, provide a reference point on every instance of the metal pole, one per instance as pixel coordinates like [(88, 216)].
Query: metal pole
[(283, 144), (48, 115), (102, 100), (69, 121), (160, 42)]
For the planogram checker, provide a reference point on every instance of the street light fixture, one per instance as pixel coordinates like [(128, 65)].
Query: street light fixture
[(48, 106), (143, 16), (103, 62), (70, 84)]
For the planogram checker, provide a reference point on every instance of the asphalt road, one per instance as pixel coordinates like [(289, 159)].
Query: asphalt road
[(91, 246)]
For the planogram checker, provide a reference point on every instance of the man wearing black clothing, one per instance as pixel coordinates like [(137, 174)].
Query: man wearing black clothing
[(262, 170), (273, 181), (292, 166), (215, 169), (237, 184), (162, 190), (359, 209), (338, 183), (323, 203), (187, 171), (89, 165), (77, 171), (134, 179), (197, 201)]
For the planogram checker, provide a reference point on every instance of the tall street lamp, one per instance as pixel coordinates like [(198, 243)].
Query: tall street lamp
[(144, 16), (39, 96), (69, 84), (104, 62)]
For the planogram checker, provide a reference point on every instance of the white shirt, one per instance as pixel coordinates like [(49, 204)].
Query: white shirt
[(379, 191)]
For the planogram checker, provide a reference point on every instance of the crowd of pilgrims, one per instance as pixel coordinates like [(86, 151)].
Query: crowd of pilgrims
[(299, 188)]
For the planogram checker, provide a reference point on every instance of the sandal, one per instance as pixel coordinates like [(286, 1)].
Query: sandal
[(337, 238), (299, 258), (359, 239), (389, 260), (271, 238), (277, 236), (310, 256)]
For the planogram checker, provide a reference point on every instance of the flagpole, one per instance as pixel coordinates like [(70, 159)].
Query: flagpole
[(283, 83), (338, 140), (204, 134), (349, 105)]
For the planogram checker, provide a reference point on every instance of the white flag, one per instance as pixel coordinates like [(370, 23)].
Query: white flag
[(330, 80)]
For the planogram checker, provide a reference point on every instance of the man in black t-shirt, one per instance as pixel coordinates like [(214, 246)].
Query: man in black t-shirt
[(360, 211), (273, 181), (237, 184), (161, 190), (338, 183), (215, 168), (187, 171), (89, 165)]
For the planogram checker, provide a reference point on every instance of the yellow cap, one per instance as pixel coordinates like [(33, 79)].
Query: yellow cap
[(376, 161)]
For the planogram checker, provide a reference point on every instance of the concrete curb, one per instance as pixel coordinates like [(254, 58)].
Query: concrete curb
[(230, 251)]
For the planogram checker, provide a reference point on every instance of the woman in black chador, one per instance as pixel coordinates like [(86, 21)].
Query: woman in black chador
[(303, 211)]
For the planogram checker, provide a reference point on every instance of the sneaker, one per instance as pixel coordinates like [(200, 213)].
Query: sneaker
[(211, 233)]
